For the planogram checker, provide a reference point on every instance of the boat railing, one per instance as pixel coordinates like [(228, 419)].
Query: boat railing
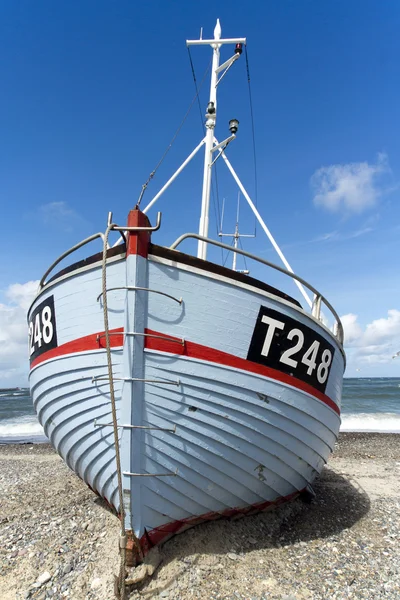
[(89, 239), (319, 299), (42, 282)]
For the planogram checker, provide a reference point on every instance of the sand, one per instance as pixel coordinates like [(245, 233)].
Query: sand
[(58, 540)]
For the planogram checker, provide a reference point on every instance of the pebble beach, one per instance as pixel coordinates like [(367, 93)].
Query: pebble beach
[(58, 540)]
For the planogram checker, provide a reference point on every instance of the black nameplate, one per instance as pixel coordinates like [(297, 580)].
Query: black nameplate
[(284, 344), (42, 329)]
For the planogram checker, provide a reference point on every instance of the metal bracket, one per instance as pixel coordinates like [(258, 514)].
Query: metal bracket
[(142, 289), (96, 424), (152, 335), (133, 229), (128, 474), (102, 378)]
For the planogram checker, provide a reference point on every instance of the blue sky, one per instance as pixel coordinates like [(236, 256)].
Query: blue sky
[(92, 93)]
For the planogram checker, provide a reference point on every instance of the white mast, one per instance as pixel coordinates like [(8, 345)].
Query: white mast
[(211, 119), (212, 145), (211, 116)]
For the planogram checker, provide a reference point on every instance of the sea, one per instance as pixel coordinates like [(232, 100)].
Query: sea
[(368, 404)]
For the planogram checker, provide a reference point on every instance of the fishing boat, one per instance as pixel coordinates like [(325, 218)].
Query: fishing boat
[(177, 389)]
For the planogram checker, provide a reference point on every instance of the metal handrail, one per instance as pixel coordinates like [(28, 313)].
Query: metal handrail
[(316, 310), (155, 228), (165, 338), (65, 254), (143, 289), (93, 237)]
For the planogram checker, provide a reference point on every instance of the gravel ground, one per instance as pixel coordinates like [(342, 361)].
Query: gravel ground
[(58, 540)]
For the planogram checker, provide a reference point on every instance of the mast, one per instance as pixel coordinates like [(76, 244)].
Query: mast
[(212, 145), (211, 119)]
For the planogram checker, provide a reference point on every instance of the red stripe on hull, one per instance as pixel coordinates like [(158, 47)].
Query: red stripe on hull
[(174, 345), (192, 350), (161, 534), (95, 341)]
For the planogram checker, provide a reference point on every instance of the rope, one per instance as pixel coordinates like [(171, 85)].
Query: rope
[(253, 134), (121, 577)]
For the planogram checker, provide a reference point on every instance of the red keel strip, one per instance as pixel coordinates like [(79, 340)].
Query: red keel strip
[(200, 352), (138, 242), (159, 534), (95, 341)]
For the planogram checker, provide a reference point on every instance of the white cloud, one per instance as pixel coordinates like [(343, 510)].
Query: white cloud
[(352, 187), (375, 344), (22, 294), (352, 330), (335, 236), (14, 333), (60, 214), (383, 330)]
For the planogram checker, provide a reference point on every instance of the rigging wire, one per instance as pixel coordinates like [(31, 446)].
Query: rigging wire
[(253, 136), (195, 85), (228, 253), (244, 258), (144, 186), (216, 204)]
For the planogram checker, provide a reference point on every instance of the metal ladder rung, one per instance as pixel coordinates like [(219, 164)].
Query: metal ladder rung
[(96, 424), (160, 381), (142, 289), (172, 474), (152, 335)]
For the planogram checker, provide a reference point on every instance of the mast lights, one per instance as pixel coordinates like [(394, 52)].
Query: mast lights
[(211, 108), (233, 126)]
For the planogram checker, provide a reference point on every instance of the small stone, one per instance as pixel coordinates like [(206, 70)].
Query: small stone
[(164, 594), (270, 582), (252, 540), (232, 556), (67, 569), (43, 578), (96, 583)]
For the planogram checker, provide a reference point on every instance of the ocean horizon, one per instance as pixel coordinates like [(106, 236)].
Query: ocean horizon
[(369, 404)]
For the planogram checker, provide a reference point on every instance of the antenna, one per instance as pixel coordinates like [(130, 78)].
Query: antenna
[(236, 236)]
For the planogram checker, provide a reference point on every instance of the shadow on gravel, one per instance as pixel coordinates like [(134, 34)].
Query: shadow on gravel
[(338, 505)]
